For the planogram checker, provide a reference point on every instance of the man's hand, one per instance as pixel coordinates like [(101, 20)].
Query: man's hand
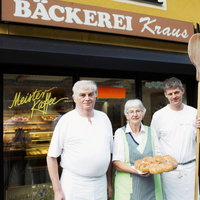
[(110, 191), (59, 195), (197, 122)]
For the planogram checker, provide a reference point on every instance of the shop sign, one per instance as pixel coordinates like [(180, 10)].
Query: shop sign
[(77, 16), (40, 100), (110, 92), (154, 84)]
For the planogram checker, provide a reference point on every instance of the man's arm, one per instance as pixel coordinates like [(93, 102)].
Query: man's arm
[(109, 179), (52, 165)]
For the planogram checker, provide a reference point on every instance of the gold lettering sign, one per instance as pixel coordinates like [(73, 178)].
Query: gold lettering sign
[(40, 100), (64, 14)]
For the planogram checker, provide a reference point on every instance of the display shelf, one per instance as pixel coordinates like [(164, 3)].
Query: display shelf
[(27, 123), (29, 135)]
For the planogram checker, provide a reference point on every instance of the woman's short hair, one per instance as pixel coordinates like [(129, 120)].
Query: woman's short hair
[(172, 83), (136, 103), (84, 84)]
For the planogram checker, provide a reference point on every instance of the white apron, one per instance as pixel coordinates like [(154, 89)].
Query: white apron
[(76, 187), (179, 184)]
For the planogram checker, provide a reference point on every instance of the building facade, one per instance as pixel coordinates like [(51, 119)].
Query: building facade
[(128, 47)]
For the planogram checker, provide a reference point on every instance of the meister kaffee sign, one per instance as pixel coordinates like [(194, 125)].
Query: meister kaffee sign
[(77, 16)]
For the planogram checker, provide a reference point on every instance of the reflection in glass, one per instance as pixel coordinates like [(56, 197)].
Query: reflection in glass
[(32, 104)]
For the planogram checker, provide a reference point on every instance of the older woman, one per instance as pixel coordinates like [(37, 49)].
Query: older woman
[(132, 142)]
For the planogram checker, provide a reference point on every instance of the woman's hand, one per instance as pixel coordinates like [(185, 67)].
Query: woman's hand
[(145, 175)]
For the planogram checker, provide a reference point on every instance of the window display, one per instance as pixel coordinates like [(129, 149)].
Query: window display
[(32, 104)]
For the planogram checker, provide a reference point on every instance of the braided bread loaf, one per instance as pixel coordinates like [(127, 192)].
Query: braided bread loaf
[(156, 164)]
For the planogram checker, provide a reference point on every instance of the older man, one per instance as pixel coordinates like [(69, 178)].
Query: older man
[(83, 138)]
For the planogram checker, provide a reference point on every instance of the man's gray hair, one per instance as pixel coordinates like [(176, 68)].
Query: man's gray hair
[(84, 84), (172, 83), (136, 103)]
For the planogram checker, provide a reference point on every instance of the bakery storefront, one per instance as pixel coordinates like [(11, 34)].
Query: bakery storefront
[(46, 46)]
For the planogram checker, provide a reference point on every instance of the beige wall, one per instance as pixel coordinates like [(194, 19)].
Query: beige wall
[(185, 10)]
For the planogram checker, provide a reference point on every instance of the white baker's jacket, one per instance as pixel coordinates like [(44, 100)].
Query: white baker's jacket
[(85, 147)]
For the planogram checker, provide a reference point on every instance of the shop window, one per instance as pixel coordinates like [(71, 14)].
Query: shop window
[(158, 4), (32, 104), (112, 95)]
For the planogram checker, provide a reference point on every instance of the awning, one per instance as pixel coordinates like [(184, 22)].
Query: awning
[(38, 51)]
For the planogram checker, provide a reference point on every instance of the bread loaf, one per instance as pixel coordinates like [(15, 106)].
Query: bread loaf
[(157, 164)]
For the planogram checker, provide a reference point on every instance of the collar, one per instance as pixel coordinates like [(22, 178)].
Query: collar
[(128, 129)]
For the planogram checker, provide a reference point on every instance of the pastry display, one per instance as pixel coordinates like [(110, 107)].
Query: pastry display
[(20, 119), (37, 152), (32, 134), (157, 164), (48, 118)]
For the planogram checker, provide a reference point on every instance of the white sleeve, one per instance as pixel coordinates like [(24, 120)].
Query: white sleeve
[(156, 143), (118, 147), (111, 144), (110, 130), (57, 140), (154, 126), (111, 137)]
